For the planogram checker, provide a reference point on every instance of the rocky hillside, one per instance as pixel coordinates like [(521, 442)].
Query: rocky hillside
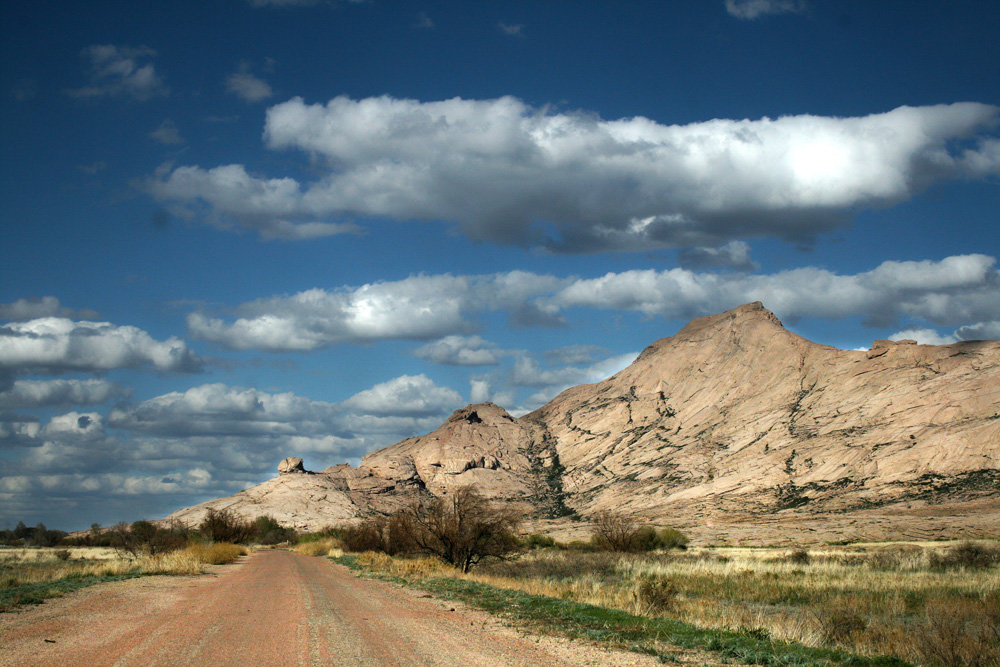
[(734, 423)]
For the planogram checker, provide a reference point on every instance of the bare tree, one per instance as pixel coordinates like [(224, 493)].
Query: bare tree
[(615, 532), (462, 528)]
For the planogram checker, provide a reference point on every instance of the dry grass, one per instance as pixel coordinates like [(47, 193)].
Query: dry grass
[(870, 600), (322, 547), (23, 569)]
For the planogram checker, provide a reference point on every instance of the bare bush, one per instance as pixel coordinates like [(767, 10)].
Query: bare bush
[(617, 532), (462, 528), (614, 532)]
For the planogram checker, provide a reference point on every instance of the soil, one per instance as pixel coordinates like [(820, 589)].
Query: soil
[(278, 608)]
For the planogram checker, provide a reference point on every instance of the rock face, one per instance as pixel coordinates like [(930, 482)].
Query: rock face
[(732, 422), (290, 466)]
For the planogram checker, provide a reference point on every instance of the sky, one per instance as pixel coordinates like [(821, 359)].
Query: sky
[(237, 230)]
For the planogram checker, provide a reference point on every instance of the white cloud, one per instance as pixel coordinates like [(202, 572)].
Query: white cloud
[(956, 289), (121, 72), (416, 308), (460, 351), (55, 345), (269, 206), (751, 9), (167, 134), (407, 395), (527, 372), (424, 21), (513, 174), (35, 307), (924, 337), (245, 85), (733, 255), (41, 393)]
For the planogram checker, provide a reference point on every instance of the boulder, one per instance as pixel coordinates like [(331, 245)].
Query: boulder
[(291, 465)]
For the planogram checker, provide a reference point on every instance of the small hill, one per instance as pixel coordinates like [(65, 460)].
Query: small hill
[(734, 428)]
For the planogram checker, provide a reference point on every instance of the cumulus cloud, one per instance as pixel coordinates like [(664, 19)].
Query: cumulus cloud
[(751, 9), (924, 337), (121, 72), (460, 351), (46, 306), (733, 255), (57, 345), (960, 288), (416, 308), (527, 372), (407, 395), (269, 206), (954, 290), (245, 85), (43, 393), (572, 182)]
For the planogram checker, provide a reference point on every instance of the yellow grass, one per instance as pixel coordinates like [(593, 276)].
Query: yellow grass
[(324, 547), (870, 599), (39, 565)]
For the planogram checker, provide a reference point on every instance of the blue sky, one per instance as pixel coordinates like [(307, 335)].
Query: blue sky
[(238, 230)]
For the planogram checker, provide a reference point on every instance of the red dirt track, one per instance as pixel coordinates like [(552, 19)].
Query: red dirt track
[(275, 608)]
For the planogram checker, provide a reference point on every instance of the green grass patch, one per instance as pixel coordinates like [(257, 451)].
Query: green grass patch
[(15, 596), (623, 630)]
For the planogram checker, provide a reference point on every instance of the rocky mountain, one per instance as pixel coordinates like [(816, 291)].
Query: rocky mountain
[(735, 429)]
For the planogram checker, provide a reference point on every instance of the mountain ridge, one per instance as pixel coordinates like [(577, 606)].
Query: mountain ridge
[(730, 421)]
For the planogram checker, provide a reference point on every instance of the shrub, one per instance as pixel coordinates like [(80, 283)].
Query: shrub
[(799, 557), (670, 538), (365, 536), (225, 526), (267, 530), (616, 532), (462, 528), (968, 554), (656, 592), (538, 541)]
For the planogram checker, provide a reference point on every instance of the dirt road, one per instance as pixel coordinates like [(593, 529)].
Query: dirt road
[(275, 608)]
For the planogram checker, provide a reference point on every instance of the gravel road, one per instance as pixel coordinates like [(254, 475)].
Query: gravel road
[(274, 608)]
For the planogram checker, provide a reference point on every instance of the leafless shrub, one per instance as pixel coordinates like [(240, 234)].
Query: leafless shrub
[(614, 532), (462, 528)]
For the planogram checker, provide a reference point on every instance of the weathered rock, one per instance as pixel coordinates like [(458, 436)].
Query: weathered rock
[(291, 465)]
